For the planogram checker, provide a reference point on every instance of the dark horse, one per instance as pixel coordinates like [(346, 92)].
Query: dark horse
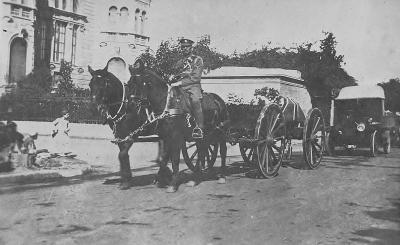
[(129, 110)]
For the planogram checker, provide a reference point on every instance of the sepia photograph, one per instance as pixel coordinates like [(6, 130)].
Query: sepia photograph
[(199, 122)]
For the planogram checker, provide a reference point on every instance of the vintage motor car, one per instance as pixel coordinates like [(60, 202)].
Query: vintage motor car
[(359, 119)]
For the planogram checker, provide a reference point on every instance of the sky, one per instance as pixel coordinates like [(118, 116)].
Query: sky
[(367, 31)]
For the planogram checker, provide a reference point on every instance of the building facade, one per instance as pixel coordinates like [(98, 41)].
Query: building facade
[(17, 40), (82, 32)]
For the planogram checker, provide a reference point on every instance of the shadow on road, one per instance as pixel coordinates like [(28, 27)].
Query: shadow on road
[(237, 169), (74, 180), (358, 158), (380, 235)]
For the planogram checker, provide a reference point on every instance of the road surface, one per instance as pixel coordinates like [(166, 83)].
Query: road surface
[(347, 200)]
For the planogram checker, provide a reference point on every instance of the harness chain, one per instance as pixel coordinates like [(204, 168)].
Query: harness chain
[(135, 133)]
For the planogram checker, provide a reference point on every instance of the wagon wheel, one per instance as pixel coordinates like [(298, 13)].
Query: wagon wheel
[(190, 155), (271, 133), (373, 144), (314, 138), (247, 153)]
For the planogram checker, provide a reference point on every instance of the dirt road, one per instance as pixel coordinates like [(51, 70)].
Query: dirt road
[(348, 200)]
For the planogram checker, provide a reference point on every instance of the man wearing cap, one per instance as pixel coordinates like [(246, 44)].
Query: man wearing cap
[(189, 70)]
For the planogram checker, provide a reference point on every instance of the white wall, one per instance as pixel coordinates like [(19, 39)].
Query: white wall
[(245, 89), (78, 130)]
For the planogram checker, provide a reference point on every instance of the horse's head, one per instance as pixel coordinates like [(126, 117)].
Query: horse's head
[(105, 88), (139, 85), (145, 84)]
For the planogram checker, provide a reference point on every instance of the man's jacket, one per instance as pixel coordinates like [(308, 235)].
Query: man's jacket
[(190, 70)]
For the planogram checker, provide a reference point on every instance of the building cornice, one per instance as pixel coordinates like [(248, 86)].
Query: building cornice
[(72, 15), (19, 5), (127, 33), (144, 2)]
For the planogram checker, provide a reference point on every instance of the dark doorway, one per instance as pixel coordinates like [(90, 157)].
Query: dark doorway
[(17, 60)]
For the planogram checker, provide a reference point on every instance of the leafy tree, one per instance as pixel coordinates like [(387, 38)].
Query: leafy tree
[(321, 67), (266, 57), (66, 85), (168, 53), (36, 83), (270, 94), (234, 99), (322, 70), (392, 94)]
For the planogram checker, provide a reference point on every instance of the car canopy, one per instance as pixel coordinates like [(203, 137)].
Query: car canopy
[(361, 92)]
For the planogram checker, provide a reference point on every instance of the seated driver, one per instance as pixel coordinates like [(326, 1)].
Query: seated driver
[(188, 78)]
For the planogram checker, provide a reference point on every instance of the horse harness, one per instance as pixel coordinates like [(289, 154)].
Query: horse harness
[(140, 102)]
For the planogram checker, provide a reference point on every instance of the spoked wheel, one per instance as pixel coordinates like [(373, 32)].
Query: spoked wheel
[(247, 152), (373, 142), (314, 138), (190, 154), (271, 133)]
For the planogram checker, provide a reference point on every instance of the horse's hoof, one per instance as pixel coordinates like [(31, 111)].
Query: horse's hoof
[(191, 183), (221, 180), (161, 185), (171, 189), (158, 184), (124, 186)]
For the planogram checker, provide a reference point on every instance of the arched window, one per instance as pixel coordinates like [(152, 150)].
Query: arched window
[(137, 16), (112, 11), (56, 4), (143, 19), (124, 12), (112, 14)]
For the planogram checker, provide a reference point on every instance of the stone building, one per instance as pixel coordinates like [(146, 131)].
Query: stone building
[(83, 32), (243, 81), (16, 40)]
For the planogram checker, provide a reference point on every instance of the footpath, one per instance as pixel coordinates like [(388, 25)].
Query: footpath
[(95, 155)]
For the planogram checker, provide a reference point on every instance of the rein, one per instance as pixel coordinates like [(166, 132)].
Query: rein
[(135, 133), (122, 103), (140, 102)]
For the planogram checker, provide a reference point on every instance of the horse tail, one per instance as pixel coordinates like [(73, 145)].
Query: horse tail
[(223, 114)]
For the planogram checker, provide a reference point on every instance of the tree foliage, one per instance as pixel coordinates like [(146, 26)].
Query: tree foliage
[(168, 53), (322, 70), (269, 94), (392, 94), (35, 98), (321, 67), (267, 57), (65, 86)]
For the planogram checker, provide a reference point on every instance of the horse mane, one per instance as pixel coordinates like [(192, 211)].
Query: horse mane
[(105, 73), (158, 77)]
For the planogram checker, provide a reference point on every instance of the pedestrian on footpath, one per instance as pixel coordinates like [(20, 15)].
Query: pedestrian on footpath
[(60, 134)]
